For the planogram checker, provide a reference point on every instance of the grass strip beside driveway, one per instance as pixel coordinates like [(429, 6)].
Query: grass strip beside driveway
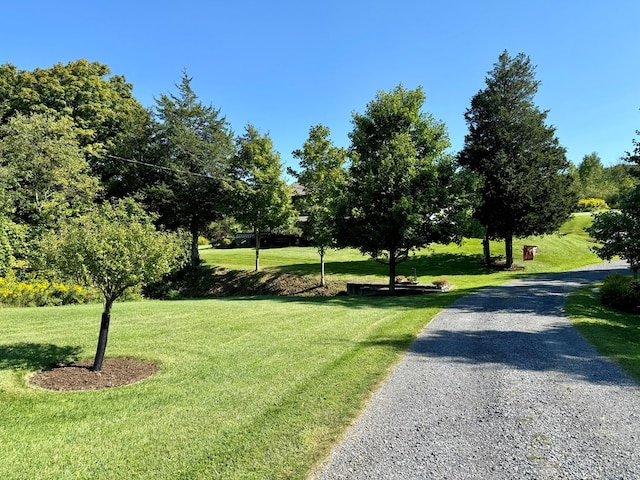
[(614, 334)]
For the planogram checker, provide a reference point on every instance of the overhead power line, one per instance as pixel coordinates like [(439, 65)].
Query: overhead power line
[(183, 172), (160, 167)]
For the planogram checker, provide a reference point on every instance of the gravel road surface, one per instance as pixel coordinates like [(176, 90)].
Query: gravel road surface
[(499, 386)]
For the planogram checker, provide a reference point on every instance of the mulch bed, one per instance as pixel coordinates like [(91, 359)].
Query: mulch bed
[(79, 376)]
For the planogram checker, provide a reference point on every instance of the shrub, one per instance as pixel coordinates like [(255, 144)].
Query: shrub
[(621, 292), (36, 292), (592, 204)]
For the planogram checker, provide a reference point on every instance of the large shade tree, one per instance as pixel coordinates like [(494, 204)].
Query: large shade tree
[(262, 199), (49, 177), (193, 145), (113, 248), (526, 183), (45, 178), (403, 190), (107, 117), (323, 177)]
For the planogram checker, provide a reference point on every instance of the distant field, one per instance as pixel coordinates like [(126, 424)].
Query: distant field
[(461, 265), (249, 388)]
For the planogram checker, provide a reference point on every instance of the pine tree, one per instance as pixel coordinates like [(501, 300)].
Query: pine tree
[(526, 183)]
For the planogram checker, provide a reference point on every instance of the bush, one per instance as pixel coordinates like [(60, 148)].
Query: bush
[(592, 205), (36, 292), (621, 292)]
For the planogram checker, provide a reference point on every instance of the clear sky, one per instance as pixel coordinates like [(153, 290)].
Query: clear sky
[(287, 65)]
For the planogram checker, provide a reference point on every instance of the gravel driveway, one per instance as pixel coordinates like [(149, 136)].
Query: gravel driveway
[(499, 386)]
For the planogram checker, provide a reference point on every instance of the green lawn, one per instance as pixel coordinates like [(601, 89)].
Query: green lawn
[(614, 334), (460, 264), (249, 388)]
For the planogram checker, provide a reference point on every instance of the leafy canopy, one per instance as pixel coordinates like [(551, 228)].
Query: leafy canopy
[(323, 177), (403, 189), (262, 199), (48, 176), (112, 248)]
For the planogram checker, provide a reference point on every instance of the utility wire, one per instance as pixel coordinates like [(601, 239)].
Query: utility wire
[(184, 172), (161, 167)]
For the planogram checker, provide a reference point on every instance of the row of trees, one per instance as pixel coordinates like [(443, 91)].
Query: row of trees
[(402, 189), (90, 180), (73, 135), (611, 184), (73, 141)]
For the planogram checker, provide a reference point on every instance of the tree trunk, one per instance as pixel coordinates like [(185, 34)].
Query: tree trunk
[(392, 271), (486, 250), (102, 338), (323, 282), (508, 246), (195, 252), (256, 233)]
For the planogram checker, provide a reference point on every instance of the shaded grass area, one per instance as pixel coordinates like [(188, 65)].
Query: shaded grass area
[(461, 264), (614, 334)]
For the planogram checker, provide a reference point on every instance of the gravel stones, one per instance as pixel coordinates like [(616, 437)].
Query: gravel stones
[(499, 386)]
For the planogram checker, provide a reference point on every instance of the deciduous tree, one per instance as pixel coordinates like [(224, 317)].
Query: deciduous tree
[(48, 177), (262, 199), (526, 183), (107, 117), (113, 248), (618, 232), (403, 190), (323, 178)]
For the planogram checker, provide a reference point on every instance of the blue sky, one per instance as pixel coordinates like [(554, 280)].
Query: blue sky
[(287, 65)]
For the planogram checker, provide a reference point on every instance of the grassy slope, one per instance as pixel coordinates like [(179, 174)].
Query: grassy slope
[(461, 265), (249, 388)]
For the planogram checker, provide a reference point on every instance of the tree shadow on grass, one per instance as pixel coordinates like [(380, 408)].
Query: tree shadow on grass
[(434, 265), (36, 356)]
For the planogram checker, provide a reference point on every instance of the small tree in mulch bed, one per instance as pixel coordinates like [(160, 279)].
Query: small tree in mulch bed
[(113, 248)]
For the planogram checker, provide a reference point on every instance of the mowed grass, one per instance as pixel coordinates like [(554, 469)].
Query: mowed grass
[(461, 265), (614, 334), (249, 388)]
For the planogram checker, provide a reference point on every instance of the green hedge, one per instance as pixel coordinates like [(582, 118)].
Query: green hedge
[(621, 292)]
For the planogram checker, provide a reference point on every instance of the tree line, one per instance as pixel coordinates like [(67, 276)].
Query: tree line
[(79, 156)]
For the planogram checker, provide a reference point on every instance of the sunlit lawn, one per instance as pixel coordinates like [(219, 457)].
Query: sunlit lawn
[(614, 334), (460, 264), (249, 388)]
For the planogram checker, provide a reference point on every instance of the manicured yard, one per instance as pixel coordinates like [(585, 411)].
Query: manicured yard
[(461, 265), (249, 388)]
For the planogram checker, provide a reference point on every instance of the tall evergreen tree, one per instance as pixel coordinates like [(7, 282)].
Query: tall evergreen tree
[(526, 183), (193, 146)]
